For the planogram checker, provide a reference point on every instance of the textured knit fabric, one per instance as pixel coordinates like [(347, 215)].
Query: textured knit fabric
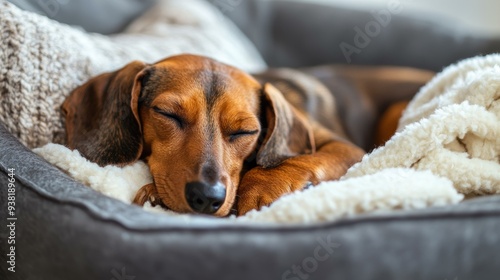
[(42, 61)]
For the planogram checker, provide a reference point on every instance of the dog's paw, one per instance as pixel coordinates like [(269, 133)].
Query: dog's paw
[(147, 193), (261, 187)]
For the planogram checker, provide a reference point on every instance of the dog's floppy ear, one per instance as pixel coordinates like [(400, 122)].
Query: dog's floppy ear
[(288, 132), (102, 118)]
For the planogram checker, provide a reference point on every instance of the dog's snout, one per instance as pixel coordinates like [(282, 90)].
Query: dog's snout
[(205, 198)]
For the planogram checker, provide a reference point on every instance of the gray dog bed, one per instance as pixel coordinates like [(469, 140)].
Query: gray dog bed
[(65, 230)]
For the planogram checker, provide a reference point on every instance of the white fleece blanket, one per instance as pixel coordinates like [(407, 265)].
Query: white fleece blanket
[(448, 146)]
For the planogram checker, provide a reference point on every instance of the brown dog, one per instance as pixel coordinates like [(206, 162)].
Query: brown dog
[(210, 133)]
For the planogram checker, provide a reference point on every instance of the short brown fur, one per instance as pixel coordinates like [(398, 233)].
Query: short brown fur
[(191, 118)]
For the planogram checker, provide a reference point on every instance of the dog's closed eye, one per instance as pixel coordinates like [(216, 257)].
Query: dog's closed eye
[(241, 133), (179, 121)]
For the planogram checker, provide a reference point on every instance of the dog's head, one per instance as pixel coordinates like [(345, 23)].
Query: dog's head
[(195, 121)]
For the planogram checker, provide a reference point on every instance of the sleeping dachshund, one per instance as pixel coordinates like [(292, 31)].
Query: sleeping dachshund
[(216, 138)]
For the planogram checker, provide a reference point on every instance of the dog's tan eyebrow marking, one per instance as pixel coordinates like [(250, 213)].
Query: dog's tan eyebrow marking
[(169, 105), (242, 122)]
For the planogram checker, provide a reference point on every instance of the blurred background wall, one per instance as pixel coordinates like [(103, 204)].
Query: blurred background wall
[(482, 16)]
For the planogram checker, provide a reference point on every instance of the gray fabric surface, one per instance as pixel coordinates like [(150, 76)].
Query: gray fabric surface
[(106, 17), (67, 231), (295, 34)]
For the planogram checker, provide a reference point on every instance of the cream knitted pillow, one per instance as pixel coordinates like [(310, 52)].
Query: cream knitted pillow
[(42, 61)]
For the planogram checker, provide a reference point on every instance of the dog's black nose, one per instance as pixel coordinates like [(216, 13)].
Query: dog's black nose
[(204, 198)]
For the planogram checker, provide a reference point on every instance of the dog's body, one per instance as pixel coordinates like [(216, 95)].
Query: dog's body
[(351, 100), (211, 133)]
